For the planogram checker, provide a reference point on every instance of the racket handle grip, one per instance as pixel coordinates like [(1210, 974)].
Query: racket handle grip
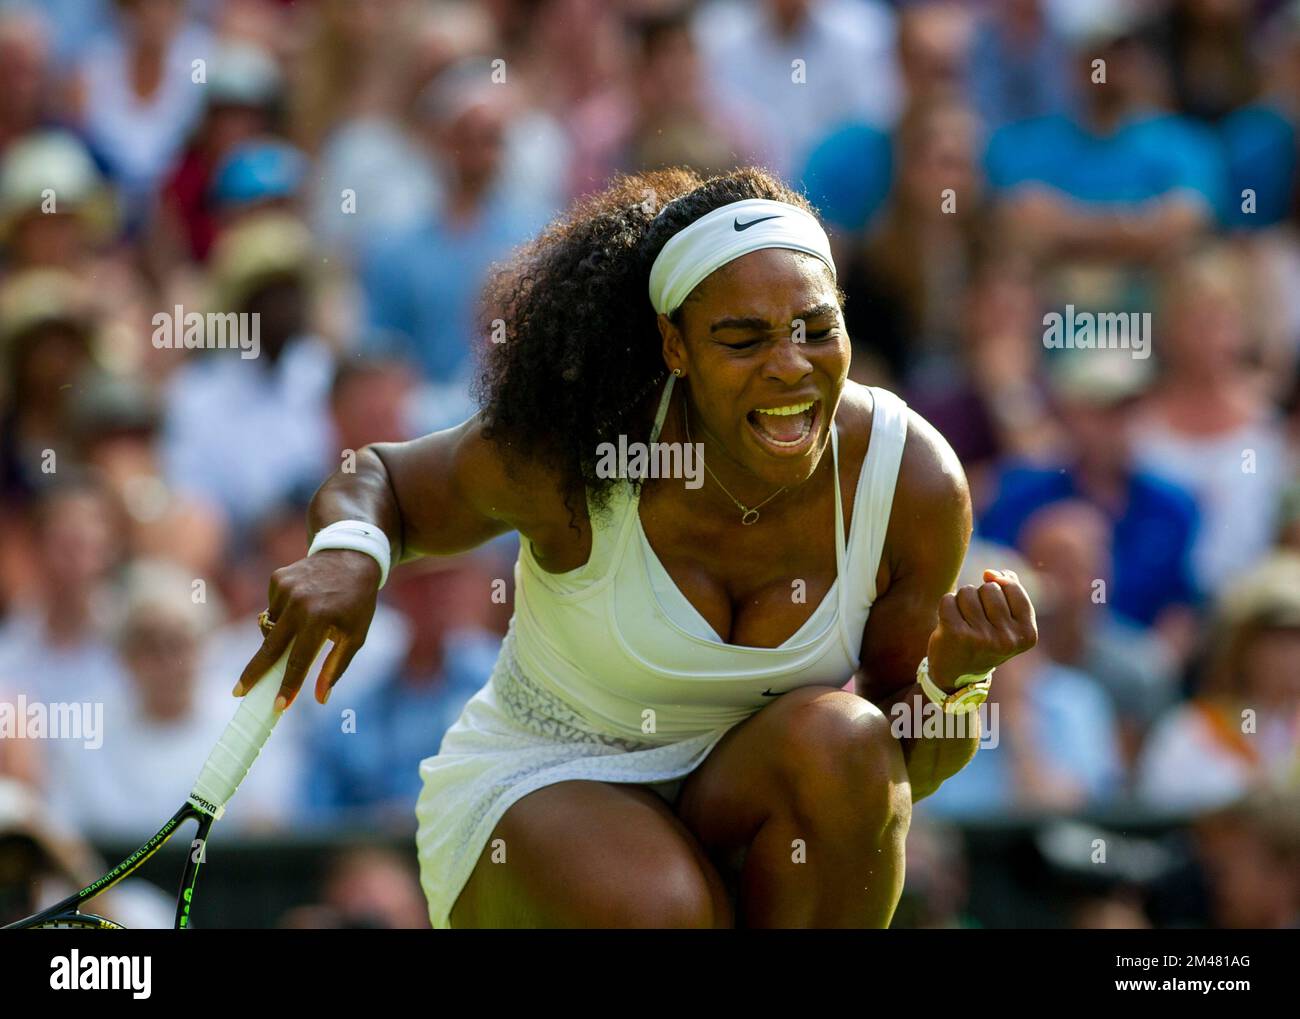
[(240, 744)]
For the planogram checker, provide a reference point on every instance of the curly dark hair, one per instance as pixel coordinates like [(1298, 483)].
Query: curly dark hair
[(581, 353)]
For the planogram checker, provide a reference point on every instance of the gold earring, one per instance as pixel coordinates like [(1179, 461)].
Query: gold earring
[(677, 372)]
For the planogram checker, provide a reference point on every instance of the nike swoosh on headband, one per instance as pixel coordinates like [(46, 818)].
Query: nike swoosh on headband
[(739, 226), (714, 239)]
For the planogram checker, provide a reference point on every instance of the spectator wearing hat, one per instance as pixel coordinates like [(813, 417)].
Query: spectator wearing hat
[(243, 431), (259, 175), (56, 212), (54, 208), (243, 97)]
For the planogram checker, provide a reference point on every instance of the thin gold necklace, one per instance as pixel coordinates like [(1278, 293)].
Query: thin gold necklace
[(749, 514)]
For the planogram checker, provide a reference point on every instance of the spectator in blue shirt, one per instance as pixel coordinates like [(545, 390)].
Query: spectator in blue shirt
[(1222, 77), (1120, 180), (1259, 142), (1153, 523)]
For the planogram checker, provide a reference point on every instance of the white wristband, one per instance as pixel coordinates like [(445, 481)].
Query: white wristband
[(971, 692), (356, 536)]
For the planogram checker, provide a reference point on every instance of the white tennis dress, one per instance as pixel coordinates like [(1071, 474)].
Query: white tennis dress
[(608, 673)]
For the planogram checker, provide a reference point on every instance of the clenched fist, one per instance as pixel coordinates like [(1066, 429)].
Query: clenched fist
[(980, 628)]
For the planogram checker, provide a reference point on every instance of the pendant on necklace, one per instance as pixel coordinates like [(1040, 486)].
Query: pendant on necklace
[(750, 517)]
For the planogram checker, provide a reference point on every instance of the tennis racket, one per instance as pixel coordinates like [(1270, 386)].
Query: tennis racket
[(224, 770)]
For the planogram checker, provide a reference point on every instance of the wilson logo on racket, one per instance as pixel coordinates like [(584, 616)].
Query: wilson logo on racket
[(205, 805)]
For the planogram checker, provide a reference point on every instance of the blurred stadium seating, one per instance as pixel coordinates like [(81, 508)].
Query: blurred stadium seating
[(347, 172)]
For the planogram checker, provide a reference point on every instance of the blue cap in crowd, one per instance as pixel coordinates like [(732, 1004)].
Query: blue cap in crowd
[(258, 171)]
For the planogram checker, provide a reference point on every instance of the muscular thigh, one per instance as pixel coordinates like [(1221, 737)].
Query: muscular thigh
[(592, 854)]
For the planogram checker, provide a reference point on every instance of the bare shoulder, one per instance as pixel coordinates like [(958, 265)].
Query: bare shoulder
[(463, 469), (930, 469), (512, 488)]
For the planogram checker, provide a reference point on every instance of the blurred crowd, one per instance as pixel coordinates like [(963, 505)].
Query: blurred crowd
[(344, 172)]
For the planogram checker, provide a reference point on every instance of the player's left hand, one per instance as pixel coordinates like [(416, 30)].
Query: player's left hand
[(981, 627)]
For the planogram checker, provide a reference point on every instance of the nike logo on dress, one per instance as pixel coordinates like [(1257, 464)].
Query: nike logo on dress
[(769, 692), (739, 226)]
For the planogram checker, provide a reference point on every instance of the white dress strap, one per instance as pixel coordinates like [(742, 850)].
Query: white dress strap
[(875, 495)]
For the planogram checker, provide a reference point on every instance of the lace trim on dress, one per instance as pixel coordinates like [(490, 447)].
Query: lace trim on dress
[(541, 712)]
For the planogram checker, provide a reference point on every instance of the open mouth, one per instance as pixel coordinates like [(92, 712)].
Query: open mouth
[(786, 430)]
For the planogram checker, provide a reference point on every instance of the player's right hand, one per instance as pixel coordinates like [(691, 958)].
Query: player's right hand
[(329, 596)]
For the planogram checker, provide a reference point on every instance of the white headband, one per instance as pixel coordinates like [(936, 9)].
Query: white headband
[(724, 235)]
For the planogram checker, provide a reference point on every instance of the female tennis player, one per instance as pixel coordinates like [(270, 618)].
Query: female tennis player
[(665, 740)]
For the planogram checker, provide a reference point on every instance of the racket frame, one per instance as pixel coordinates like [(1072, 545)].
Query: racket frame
[(69, 910), (222, 772)]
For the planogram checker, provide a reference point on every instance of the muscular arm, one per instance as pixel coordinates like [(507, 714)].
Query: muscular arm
[(1146, 234), (1059, 226), (929, 530), (441, 494)]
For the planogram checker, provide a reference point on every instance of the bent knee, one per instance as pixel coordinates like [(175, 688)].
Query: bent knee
[(835, 752)]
